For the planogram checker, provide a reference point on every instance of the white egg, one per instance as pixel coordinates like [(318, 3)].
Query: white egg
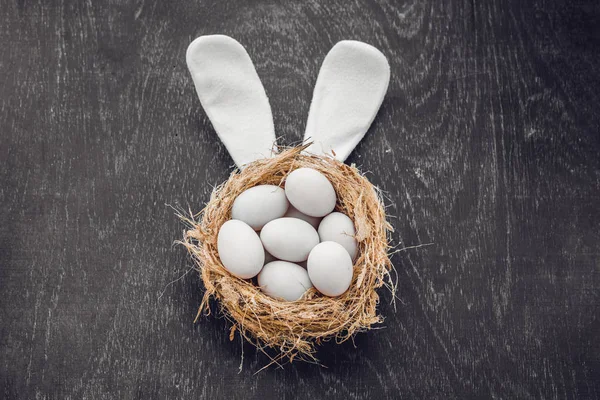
[(293, 212), (310, 192), (240, 249), (284, 280), (337, 227), (330, 268), (260, 204), (289, 239)]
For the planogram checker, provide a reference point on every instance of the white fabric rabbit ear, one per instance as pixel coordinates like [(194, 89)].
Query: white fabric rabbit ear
[(232, 96), (349, 91)]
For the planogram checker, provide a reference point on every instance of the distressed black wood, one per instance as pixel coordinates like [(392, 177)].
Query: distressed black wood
[(487, 145)]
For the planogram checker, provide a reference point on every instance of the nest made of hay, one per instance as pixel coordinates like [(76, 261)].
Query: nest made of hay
[(294, 328)]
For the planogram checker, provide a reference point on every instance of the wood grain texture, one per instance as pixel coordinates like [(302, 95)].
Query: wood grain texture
[(487, 145)]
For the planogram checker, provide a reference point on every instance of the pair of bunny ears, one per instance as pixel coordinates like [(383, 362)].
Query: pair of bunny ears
[(349, 91)]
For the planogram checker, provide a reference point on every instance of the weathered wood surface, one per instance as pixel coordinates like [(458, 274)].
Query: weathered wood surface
[(487, 145)]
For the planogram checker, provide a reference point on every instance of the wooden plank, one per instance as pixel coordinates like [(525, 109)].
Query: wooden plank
[(486, 146)]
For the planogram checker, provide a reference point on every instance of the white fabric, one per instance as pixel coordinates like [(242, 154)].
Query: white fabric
[(232, 96), (349, 90)]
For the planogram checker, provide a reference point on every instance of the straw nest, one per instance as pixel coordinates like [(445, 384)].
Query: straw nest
[(293, 329)]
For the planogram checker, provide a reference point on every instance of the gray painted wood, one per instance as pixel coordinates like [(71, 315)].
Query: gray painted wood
[(487, 146)]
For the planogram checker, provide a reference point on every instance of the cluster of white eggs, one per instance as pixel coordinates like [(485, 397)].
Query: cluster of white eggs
[(290, 238)]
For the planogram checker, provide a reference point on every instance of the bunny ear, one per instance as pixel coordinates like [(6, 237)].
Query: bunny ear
[(232, 96), (349, 90)]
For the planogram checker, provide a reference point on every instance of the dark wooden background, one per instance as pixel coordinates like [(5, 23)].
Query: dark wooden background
[(487, 145)]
